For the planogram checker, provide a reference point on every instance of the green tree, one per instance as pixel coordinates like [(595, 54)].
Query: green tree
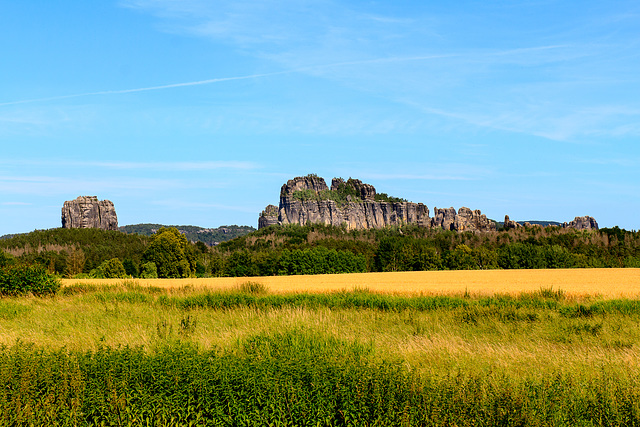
[(130, 267), (148, 270), (113, 269), (75, 261), (171, 253), (461, 258), (485, 258)]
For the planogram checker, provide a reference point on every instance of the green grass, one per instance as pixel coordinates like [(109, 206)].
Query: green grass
[(127, 355)]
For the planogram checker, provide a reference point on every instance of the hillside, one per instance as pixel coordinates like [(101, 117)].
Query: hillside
[(208, 236), (59, 248), (268, 250)]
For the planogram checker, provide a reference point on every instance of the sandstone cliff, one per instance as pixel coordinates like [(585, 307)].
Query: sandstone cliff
[(582, 223), (357, 206), (89, 212)]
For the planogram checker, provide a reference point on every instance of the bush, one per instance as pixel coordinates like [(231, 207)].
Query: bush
[(5, 259), (112, 269), (23, 279), (148, 270)]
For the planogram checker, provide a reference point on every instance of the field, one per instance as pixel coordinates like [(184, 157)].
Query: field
[(605, 282), (541, 347)]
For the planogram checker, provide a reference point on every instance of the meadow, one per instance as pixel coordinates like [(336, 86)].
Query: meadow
[(528, 347)]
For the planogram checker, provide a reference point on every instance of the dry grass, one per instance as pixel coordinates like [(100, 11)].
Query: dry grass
[(606, 283)]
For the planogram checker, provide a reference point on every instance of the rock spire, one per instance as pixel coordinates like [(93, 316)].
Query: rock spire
[(89, 212)]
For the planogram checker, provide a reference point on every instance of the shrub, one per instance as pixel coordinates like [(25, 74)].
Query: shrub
[(23, 279), (113, 269), (5, 259), (148, 270)]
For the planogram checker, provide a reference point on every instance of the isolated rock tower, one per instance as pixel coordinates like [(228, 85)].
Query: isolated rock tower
[(89, 212)]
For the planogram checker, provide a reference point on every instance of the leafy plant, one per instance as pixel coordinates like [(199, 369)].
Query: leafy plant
[(22, 279)]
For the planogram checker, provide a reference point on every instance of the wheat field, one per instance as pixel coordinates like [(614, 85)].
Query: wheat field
[(606, 283)]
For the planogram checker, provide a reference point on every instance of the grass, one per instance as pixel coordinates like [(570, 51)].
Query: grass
[(242, 354)]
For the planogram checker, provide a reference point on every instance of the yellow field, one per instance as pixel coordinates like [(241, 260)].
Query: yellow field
[(608, 283)]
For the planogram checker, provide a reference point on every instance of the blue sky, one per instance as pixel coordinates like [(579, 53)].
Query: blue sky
[(196, 112)]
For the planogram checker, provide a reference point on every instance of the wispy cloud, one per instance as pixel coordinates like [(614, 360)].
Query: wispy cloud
[(155, 166), (144, 89), (422, 177), (50, 185)]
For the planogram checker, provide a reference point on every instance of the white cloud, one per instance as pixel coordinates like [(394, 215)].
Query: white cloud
[(156, 166)]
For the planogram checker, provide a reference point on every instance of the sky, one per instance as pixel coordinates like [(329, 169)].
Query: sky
[(195, 112)]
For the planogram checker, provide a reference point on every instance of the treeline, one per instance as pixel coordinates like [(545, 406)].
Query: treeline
[(412, 248), (68, 252), (318, 249), (317, 260)]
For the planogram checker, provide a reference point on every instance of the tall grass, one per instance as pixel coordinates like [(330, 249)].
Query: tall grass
[(130, 355), (291, 378)]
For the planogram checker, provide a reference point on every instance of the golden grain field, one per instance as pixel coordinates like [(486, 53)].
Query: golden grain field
[(607, 283)]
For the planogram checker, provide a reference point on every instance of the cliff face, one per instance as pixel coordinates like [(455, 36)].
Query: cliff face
[(358, 206), (582, 223), (89, 212), (356, 215)]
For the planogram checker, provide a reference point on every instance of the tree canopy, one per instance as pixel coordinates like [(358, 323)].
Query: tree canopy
[(172, 254)]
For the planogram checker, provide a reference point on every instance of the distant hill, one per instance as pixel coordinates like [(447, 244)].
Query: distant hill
[(209, 236)]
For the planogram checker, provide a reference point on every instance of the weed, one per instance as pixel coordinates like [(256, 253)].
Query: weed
[(164, 329), (254, 288), (187, 325)]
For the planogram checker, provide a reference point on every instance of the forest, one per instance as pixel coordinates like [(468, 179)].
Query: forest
[(317, 249)]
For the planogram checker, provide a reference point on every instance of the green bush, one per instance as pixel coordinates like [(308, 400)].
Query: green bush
[(148, 270), (23, 279), (5, 259), (113, 269)]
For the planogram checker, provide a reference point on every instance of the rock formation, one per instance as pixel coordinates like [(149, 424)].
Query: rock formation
[(468, 220), (269, 216), (89, 212), (508, 224), (582, 223), (357, 206), (444, 218)]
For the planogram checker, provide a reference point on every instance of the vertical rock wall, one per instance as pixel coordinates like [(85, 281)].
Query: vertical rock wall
[(353, 204), (309, 200), (89, 212)]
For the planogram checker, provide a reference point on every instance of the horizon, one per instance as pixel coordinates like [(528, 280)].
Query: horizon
[(197, 113)]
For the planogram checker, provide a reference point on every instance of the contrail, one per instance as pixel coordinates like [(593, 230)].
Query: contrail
[(225, 79), (256, 76), (143, 89)]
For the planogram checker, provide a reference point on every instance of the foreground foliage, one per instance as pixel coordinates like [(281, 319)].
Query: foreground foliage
[(127, 355), (292, 378), (20, 279)]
